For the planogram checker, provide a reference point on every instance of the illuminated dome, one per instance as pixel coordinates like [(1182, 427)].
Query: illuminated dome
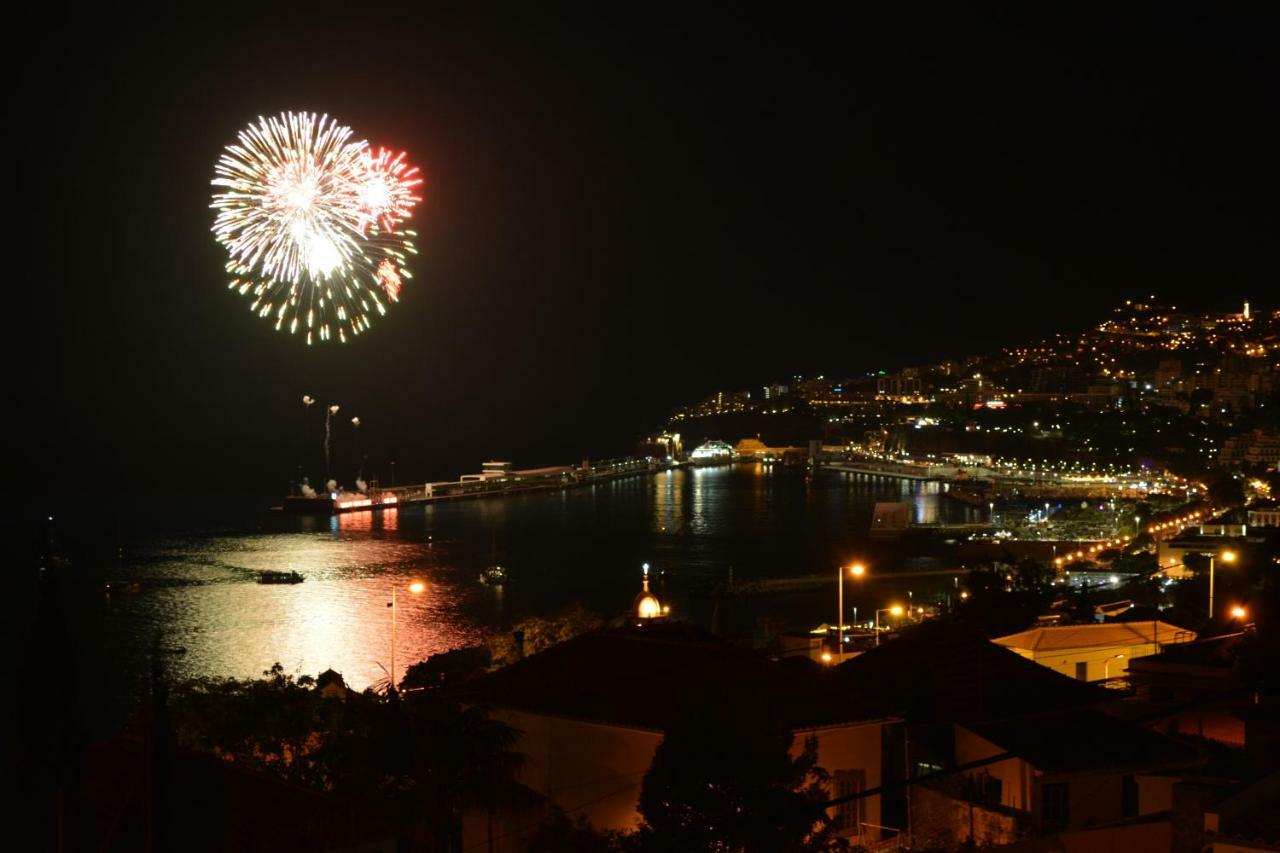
[(647, 605)]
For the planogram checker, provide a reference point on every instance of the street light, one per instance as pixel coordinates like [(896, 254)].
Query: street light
[(1227, 557), (857, 570), (417, 588), (1238, 612), (895, 610)]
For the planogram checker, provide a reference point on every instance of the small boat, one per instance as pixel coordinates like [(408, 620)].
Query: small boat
[(280, 577), (494, 576)]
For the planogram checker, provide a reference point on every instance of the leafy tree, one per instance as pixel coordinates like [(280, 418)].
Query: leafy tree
[(1140, 563), (447, 669), (1034, 575), (1001, 612), (561, 834), (544, 632), (265, 723), (423, 759), (1226, 491), (724, 779)]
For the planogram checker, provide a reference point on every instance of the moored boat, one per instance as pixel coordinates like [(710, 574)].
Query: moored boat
[(280, 577)]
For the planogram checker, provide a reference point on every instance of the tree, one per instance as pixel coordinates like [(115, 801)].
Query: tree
[(447, 669), (1226, 491), (542, 633), (265, 723), (560, 834), (421, 758), (724, 779), (426, 760)]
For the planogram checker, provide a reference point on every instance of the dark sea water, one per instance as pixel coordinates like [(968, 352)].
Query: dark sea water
[(197, 566)]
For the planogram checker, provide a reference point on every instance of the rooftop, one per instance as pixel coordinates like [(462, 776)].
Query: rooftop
[(640, 676), (1057, 637), (1085, 740), (1211, 651), (947, 669)]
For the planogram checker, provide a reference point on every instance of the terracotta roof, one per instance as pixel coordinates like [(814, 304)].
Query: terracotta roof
[(1059, 637), (947, 669), (640, 676)]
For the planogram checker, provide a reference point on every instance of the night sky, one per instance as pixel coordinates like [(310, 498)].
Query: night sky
[(621, 215)]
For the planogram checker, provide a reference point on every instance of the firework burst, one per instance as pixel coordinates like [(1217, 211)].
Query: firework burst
[(311, 221), (387, 187)]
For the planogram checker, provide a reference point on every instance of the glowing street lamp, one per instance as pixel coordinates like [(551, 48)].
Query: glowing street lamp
[(895, 610), (1238, 612), (1226, 557), (857, 570), (416, 587)]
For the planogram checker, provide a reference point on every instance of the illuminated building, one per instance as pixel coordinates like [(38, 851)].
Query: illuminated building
[(646, 605)]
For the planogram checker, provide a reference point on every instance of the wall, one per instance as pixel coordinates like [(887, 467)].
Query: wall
[(1016, 776), (1101, 661), (585, 768), (942, 822), (854, 747), (596, 770)]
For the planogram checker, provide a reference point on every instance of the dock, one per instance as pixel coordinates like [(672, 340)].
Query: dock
[(496, 480)]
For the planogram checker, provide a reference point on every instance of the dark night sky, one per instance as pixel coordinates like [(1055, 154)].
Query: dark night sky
[(621, 215)]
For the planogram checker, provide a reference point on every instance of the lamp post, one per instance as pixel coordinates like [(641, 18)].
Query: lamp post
[(857, 570), (1227, 557), (895, 610), (415, 587)]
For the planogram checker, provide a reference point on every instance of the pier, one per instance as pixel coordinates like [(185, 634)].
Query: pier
[(496, 480)]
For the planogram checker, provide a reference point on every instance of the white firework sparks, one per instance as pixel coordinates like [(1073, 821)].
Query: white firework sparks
[(308, 217)]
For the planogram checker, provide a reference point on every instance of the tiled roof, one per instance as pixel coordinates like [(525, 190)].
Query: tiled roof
[(1059, 637)]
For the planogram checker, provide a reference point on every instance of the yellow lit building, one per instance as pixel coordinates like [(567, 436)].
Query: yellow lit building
[(1094, 652)]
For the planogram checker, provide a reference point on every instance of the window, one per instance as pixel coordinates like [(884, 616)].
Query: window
[(850, 815), (992, 790), (1053, 803), (1129, 797)]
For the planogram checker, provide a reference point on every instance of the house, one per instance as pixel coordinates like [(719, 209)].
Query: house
[(1201, 686), (999, 747), (330, 685), (592, 711), (1096, 652)]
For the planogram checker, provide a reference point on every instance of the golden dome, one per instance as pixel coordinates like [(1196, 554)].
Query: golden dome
[(647, 605)]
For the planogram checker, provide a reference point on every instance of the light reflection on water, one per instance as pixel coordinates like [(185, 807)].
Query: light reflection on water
[(199, 591)]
